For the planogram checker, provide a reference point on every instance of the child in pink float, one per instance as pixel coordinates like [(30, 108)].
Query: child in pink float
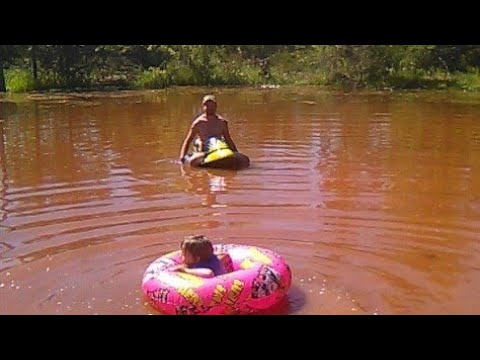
[(199, 259)]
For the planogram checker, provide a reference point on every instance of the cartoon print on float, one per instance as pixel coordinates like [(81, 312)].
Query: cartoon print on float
[(159, 295), (266, 282)]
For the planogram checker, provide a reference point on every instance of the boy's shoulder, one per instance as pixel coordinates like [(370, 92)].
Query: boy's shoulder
[(199, 119), (203, 118)]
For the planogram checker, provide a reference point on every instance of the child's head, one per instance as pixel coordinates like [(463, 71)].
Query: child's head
[(195, 249)]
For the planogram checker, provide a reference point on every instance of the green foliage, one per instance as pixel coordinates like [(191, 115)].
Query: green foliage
[(19, 80), (160, 66), (468, 81)]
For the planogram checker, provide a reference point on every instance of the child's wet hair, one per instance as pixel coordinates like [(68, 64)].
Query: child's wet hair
[(198, 245)]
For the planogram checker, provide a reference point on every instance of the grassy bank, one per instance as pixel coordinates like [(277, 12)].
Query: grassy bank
[(281, 71)]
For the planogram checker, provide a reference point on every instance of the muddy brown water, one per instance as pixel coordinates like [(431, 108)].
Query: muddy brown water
[(373, 198)]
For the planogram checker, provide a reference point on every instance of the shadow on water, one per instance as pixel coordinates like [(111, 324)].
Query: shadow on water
[(292, 303), (7, 108)]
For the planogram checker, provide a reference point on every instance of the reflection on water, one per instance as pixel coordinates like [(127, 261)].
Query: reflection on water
[(208, 183), (372, 198)]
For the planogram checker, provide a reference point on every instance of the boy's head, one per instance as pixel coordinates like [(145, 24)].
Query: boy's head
[(195, 249), (209, 103)]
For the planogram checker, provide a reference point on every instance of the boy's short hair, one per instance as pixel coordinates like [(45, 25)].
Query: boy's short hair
[(198, 245)]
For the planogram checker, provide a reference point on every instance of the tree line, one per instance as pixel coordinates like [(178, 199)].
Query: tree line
[(47, 67)]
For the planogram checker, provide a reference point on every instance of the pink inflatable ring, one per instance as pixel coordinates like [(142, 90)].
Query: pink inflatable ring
[(257, 279)]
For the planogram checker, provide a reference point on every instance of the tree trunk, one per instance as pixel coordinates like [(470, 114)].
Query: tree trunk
[(3, 87), (34, 63)]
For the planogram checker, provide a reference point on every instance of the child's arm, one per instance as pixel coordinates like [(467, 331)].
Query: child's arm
[(200, 272)]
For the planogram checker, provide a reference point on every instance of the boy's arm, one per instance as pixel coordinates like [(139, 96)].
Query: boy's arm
[(228, 138), (192, 132)]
